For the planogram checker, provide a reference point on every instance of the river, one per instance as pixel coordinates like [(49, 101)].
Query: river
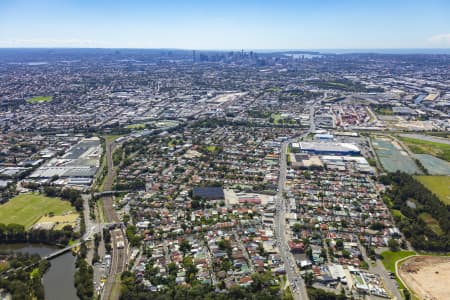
[(58, 281)]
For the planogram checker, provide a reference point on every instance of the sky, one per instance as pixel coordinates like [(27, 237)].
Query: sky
[(229, 24)]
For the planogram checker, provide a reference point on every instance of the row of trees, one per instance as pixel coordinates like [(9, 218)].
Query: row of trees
[(319, 294), (96, 256), (71, 195), (215, 122), (132, 185), (15, 233), (84, 276), (414, 201), (107, 239)]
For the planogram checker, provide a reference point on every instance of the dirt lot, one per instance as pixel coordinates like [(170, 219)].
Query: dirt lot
[(61, 221), (427, 276)]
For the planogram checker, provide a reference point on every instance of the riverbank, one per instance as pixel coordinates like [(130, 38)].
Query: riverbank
[(58, 281)]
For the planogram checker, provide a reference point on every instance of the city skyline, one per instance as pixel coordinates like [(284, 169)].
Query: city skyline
[(232, 25)]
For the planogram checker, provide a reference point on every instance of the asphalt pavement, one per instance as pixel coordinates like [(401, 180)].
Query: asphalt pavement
[(294, 277)]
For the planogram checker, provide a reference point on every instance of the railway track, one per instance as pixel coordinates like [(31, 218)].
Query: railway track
[(119, 255)]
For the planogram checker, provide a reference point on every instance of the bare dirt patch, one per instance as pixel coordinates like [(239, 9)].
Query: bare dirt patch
[(427, 276), (61, 221)]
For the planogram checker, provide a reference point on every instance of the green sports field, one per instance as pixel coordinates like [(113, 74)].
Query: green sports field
[(439, 185), (136, 126), (27, 209), (40, 99)]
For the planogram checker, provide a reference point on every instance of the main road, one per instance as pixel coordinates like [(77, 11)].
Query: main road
[(299, 291), (293, 276)]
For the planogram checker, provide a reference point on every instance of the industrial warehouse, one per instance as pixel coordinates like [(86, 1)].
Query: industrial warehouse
[(326, 148), (77, 166)]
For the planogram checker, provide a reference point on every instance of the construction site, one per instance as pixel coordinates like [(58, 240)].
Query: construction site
[(427, 277)]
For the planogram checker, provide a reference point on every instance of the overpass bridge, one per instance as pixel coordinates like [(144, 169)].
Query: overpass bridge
[(57, 253), (48, 257), (62, 251)]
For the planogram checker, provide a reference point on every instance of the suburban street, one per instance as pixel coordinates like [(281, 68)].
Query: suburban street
[(379, 269)]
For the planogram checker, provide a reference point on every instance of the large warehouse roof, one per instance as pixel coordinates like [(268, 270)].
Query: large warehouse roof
[(327, 147)]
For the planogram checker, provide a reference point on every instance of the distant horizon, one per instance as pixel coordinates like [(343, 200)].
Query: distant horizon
[(267, 50)]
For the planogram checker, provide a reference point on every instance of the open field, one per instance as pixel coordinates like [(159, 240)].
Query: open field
[(438, 137), (26, 209), (439, 185), (166, 123), (62, 220), (390, 257), (136, 126), (427, 276), (40, 99), (393, 157), (418, 146)]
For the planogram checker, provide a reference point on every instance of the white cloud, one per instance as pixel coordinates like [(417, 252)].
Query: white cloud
[(442, 40)]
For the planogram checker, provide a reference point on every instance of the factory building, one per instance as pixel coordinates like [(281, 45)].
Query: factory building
[(326, 148)]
